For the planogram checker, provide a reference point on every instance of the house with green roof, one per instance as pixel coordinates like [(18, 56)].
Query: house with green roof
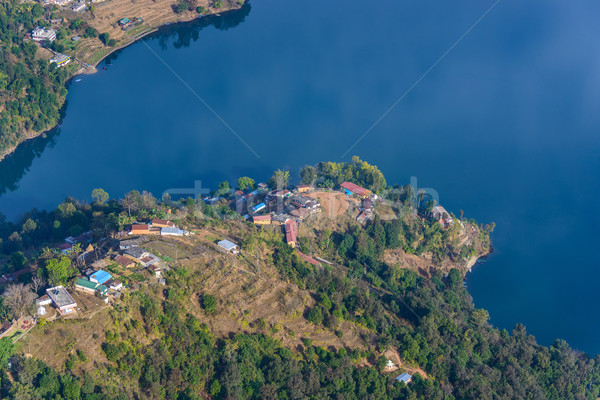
[(86, 286)]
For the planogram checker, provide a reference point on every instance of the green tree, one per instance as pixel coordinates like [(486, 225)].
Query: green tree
[(308, 175), (315, 316), (280, 179), (100, 196), (104, 38), (6, 350), (17, 260), (29, 226), (59, 270), (210, 303), (223, 189), (245, 183), (37, 10)]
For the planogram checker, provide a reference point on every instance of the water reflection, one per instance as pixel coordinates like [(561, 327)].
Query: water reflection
[(17, 164)]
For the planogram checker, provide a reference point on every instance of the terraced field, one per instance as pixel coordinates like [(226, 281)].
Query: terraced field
[(105, 16)]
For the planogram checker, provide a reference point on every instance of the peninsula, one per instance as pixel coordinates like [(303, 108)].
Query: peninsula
[(338, 287)]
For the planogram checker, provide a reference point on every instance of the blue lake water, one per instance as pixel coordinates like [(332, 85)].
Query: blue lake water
[(506, 127)]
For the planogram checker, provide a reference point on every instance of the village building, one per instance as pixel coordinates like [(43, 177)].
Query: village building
[(291, 233), (439, 213), (229, 246), (79, 6), (89, 287), (57, 2), (126, 244), (60, 59), (305, 202), (144, 229), (367, 206), (352, 188), (212, 200), (161, 223), (62, 300), (114, 285), (304, 188), (42, 34), (85, 237), (149, 260), (124, 22), (300, 213), (259, 207), (262, 219), (65, 248), (172, 232), (44, 300), (100, 277), (309, 259), (124, 262), (135, 253), (155, 269), (406, 378), (362, 216), (280, 219)]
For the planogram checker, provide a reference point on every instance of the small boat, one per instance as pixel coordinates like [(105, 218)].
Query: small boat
[(104, 68), (77, 80)]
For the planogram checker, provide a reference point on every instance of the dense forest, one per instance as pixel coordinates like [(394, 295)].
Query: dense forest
[(156, 348), (32, 91)]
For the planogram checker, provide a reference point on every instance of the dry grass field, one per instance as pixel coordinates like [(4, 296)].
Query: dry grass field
[(105, 15)]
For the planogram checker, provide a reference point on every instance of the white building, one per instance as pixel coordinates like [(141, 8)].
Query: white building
[(42, 34), (229, 246), (57, 2), (60, 59), (79, 6)]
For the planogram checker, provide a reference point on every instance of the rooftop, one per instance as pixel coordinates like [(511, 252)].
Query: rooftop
[(171, 231), (134, 252), (60, 297), (123, 261), (404, 377), (227, 245), (291, 231), (354, 188), (101, 276)]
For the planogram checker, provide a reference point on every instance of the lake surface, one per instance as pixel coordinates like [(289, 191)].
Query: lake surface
[(506, 127)]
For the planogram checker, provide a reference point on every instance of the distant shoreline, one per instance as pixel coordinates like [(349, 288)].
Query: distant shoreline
[(27, 136)]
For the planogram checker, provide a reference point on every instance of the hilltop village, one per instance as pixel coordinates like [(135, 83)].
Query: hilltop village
[(87, 275), (340, 286)]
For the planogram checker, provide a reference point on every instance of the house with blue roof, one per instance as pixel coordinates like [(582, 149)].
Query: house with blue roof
[(258, 207), (100, 277), (406, 378)]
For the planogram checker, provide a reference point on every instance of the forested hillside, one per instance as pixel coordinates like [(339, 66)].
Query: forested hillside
[(32, 91)]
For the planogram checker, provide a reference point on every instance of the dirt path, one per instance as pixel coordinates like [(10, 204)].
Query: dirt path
[(392, 354)]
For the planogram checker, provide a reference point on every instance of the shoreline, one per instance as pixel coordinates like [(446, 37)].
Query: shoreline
[(92, 69)]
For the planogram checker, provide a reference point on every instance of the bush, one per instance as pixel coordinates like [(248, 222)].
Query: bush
[(315, 316), (209, 303), (104, 38)]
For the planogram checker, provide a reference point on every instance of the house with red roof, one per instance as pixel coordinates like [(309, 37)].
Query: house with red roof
[(291, 232), (352, 188)]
